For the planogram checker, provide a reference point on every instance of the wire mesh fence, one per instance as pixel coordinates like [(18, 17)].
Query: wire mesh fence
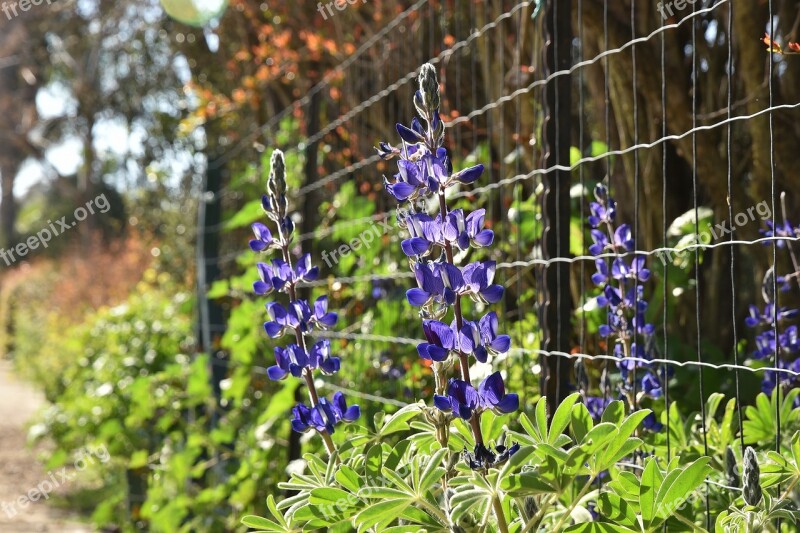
[(675, 106)]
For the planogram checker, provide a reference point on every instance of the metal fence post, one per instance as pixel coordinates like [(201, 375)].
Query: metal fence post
[(557, 309)]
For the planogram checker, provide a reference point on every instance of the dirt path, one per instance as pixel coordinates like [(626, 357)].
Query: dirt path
[(19, 470)]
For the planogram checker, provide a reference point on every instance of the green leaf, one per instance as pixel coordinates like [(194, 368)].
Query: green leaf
[(598, 527), (525, 484), (329, 495), (399, 420), (433, 471), (251, 212), (672, 494), (614, 412), (613, 507), (381, 514), (582, 422), (261, 524), (374, 464), (651, 481), (349, 478), (561, 418), (541, 417), (138, 459)]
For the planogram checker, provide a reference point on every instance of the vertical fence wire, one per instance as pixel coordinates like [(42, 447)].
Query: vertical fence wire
[(555, 139)]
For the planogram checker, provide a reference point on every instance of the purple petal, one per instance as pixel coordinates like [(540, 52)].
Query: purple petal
[(484, 238), (400, 190), (493, 293), (417, 297), (481, 354), (273, 329), (501, 344), (492, 389), (415, 246), (330, 365), (352, 414), (257, 246), (443, 403), (469, 175), (409, 135), (508, 404), (259, 287), (276, 373)]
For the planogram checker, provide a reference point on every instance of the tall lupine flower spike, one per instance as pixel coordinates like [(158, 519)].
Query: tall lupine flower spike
[(622, 293), (785, 349), (425, 171), (298, 316), (751, 478)]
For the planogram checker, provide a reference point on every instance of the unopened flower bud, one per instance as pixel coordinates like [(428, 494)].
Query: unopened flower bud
[(731, 469), (429, 88), (751, 477), (276, 184)]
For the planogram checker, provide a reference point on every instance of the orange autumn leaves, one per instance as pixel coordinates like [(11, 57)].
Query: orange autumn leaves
[(773, 46)]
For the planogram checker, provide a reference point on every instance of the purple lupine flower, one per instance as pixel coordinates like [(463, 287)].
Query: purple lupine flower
[(321, 316), (784, 229), (465, 231), (430, 285), (426, 170), (470, 342), (408, 181), (386, 151), (602, 213), (651, 423), (425, 231), (596, 406), (469, 175), (462, 398), (768, 317), (297, 315), (479, 277), (622, 295), (289, 360), (492, 393), (320, 357), (601, 242), (496, 344), (620, 269), (263, 238), (441, 341), (347, 414), (302, 419)]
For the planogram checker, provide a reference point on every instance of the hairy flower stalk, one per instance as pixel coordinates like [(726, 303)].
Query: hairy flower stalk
[(425, 173), (298, 317), (622, 294)]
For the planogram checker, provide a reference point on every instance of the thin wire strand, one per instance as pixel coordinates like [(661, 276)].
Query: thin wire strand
[(367, 337), (258, 131), (603, 56)]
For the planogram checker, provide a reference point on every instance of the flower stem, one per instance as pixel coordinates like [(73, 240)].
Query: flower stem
[(574, 503), (463, 359), (502, 525), (313, 396)]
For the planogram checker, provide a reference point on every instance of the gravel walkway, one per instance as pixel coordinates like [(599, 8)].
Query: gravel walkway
[(19, 469)]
